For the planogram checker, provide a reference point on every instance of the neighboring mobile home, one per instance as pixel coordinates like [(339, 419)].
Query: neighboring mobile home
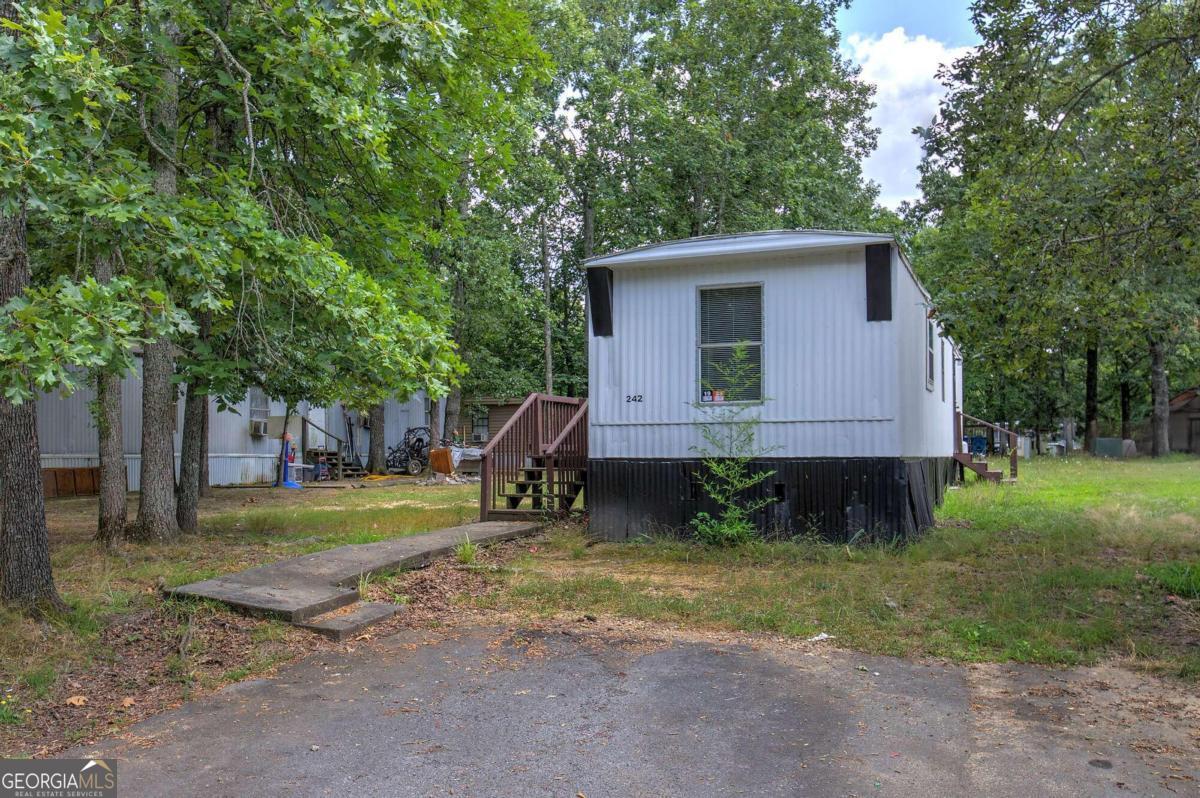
[(241, 450), (856, 386)]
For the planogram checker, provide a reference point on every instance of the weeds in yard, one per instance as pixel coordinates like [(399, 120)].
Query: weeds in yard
[(270, 632), (39, 680), (364, 585), (466, 551), (11, 713), (1179, 578), (1070, 565), (239, 529)]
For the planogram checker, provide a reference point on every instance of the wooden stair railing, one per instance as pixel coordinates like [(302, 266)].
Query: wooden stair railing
[(539, 455), (962, 421), (337, 458), (566, 460)]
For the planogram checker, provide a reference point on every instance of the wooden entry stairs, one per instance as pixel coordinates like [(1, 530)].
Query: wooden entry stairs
[(536, 465), (969, 460)]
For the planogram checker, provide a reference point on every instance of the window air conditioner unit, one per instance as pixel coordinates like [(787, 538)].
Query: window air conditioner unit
[(258, 427), (476, 437)]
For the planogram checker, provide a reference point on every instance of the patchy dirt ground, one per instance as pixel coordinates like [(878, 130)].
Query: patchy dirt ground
[(600, 707), (154, 659), (924, 727)]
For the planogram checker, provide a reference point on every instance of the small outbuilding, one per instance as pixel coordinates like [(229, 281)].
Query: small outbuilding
[(1184, 425), (853, 383)]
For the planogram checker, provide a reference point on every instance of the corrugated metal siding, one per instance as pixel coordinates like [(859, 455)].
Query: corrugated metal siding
[(67, 433), (828, 374), (223, 469), (244, 470), (58, 428), (928, 421), (837, 499)]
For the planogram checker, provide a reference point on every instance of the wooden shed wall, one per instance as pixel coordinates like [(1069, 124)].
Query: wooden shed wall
[(498, 416)]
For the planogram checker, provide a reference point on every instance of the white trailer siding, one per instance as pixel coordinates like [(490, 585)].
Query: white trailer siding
[(68, 439), (927, 411), (821, 370), (835, 384)]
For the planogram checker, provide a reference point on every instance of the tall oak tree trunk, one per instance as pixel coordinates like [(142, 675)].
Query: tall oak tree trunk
[(114, 483), (1126, 411), (187, 496), (454, 414), (25, 576), (546, 325), (156, 510), (205, 488), (192, 451), (377, 453)]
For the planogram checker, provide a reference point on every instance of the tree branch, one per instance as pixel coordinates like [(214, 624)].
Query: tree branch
[(234, 64)]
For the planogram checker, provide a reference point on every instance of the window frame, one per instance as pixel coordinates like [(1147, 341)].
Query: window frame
[(250, 407), (930, 336), (942, 354), (479, 421), (761, 343)]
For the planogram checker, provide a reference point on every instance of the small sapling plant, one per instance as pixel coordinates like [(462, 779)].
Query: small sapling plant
[(730, 433)]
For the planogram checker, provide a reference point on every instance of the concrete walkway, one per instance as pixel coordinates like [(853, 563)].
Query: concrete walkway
[(303, 588)]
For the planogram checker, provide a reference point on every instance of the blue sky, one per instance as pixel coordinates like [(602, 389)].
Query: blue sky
[(899, 47), (946, 21)]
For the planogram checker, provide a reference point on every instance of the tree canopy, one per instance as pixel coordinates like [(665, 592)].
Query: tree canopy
[(1060, 203)]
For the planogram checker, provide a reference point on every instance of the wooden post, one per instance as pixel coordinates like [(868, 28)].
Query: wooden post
[(1012, 455), (551, 497), (485, 485), (546, 289), (537, 427)]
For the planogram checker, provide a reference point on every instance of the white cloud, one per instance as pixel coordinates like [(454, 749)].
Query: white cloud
[(904, 70)]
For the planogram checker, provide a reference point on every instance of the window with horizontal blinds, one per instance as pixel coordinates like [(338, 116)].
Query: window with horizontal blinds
[(730, 344)]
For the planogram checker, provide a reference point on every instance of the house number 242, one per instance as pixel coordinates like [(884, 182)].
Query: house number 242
[(633, 397)]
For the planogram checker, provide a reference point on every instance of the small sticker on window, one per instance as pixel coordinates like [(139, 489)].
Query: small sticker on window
[(712, 396)]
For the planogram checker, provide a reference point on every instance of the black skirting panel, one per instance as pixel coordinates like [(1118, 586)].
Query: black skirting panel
[(836, 499)]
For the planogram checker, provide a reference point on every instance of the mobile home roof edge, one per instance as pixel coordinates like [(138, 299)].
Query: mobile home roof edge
[(687, 250), (817, 239)]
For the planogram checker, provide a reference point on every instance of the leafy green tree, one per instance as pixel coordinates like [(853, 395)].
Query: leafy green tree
[(1060, 180), (57, 94)]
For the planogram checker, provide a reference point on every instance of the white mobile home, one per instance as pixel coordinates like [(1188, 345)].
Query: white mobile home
[(854, 383), (240, 449)]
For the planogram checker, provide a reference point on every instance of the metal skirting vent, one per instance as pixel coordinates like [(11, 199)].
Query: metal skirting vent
[(840, 500)]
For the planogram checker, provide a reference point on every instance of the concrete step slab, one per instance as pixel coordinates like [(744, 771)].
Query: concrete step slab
[(340, 626), (288, 600), (301, 588)]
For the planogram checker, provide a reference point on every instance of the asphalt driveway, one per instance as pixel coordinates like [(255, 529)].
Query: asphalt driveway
[(578, 709)]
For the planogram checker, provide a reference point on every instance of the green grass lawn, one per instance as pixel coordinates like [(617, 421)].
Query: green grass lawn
[(1073, 564), (1082, 560)]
